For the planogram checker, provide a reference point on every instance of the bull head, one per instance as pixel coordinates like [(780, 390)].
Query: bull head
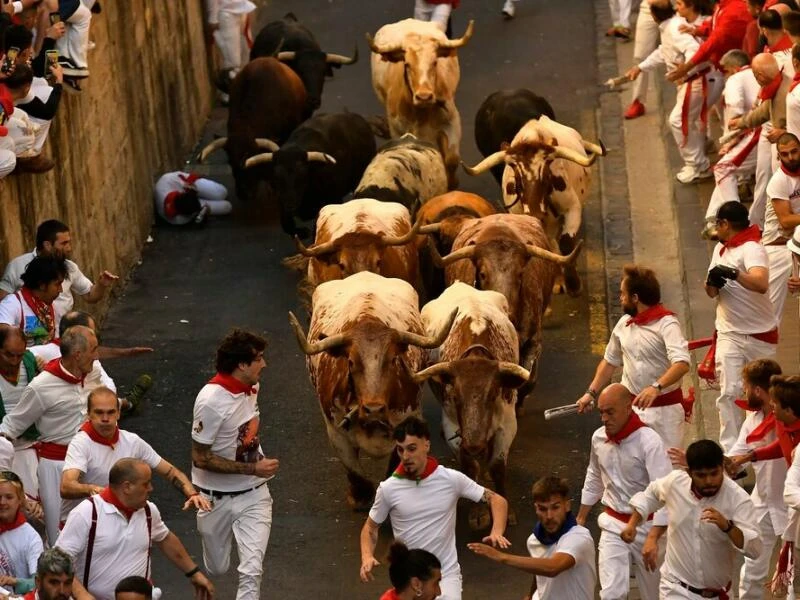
[(396, 52), (469, 252), (503, 156), (266, 157)]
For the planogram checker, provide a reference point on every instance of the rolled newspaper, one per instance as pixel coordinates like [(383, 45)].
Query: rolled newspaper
[(560, 411), (617, 81)]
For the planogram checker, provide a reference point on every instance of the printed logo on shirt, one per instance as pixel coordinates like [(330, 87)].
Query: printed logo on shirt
[(247, 442), (199, 427), (795, 193), (35, 331), (6, 568)]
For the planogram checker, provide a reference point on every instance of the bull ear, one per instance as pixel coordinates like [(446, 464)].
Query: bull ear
[(445, 52), (394, 56)]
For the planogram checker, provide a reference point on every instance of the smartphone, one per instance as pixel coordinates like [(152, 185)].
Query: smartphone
[(55, 17), (52, 60), (10, 59)]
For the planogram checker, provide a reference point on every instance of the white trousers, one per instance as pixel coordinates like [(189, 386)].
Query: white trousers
[(780, 268), (668, 422), (763, 173), (435, 13), (26, 466), (23, 131), (231, 39), (620, 12), (692, 147), (213, 195), (734, 351), (50, 493), (8, 155), (451, 587), (726, 175), (247, 518), (754, 572), (614, 558), (644, 42), (74, 44)]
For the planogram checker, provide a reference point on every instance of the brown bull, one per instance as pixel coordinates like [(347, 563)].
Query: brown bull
[(364, 343)]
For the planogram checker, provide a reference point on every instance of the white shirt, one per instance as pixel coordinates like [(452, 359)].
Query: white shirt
[(781, 186), (120, 546), (740, 94), (675, 48), (699, 553), (166, 184), (19, 551), (618, 471), (767, 494), (229, 424), (15, 311), (576, 583), (96, 378), (793, 111), (237, 7), (423, 513), (11, 395), (739, 310), (645, 352), (56, 407), (76, 282)]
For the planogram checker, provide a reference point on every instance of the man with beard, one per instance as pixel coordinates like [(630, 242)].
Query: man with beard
[(625, 457), (54, 576), (738, 278), (421, 498), (648, 344), (710, 519), (561, 550)]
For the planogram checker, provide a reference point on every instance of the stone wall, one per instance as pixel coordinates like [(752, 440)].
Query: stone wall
[(139, 114)]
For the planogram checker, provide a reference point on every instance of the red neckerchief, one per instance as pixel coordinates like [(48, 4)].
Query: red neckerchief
[(760, 432), (109, 496), (751, 234), (6, 109), (89, 429), (788, 437), (43, 311), (170, 211), (390, 594), (233, 385), (788, 172), (768, 91), (430, 467), (743, 404), (634, 423), (782, 44), (795, 81), (54, 368), (18, 521), (649, 315), (190, 178)]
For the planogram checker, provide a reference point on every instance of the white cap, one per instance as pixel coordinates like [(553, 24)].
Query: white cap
[(794, 243)]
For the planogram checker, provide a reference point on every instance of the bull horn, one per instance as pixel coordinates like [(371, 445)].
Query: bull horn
[(314, 251), (594, 148), (394, 240), (553, 256), (510, 368), (487, 163), (429, 341), (212, 147), (442, 368), (340, 59), (267, 144), (382, 50), (460, 254), (320, 157), (430, 228), (574, 156), (317, 347), (286, 55), (258, 159), (457, 43)]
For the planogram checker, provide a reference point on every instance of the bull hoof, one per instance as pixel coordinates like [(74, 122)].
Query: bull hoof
[(479, 517), (574, 285), (559, 287)]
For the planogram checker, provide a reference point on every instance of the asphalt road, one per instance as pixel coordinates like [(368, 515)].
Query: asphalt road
[(195, 284)]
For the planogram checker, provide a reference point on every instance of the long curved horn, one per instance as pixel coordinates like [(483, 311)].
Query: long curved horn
[(339, 59), (429, 341), (574, 156), (430, 228), (320, 157), (594, 148), (318, 250), (493, 160), (457, 43), (510, 368), (212, 147), (317, 347), (399, 240), (382, 50), (442, 368), (267, 144), (286, 55), (552, 256), (258, 159), (460, 254)]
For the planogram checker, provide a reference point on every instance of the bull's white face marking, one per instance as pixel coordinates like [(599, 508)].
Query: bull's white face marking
[(362, 215)]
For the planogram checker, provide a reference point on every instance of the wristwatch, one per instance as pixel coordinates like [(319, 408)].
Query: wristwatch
[(657, 385)]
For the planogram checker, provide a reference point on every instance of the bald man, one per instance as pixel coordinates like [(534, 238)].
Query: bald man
[(770, 115), (626, 455)]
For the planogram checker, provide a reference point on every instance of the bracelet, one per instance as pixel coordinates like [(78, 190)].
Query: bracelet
[(193, 572), (592, 393), (729, 527)]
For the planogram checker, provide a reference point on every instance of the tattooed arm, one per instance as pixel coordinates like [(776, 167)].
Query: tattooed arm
[(178, 479)]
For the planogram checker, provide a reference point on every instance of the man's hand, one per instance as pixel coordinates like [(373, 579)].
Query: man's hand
[(497, 540), (679, 72), (774, 135), (34, 510), (134, 350), (107, 278), (585, 403), (650, 553), (677, 456), (735, 123), (8, 8), (366, 569), (633, 73), (8, 580), (686, 28), (266, 467), (794, 285), (484, 550), (58, 72), (646, 397), (712, 515), (203, 588), (197, 502), (56, 30), (628, 534)]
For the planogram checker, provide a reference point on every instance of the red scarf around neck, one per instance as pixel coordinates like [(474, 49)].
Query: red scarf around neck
[(795, 81), (785, 43), (233, 385), (649, 315), (18, 521), (760, 432), (751, 234), (768, 91), (634, 423), (89, 429), (43, 311), (54, 368), (430, 467), (109, 496), (390, 594)]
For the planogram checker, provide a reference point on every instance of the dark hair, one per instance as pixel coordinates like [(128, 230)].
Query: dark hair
[(704, 454), (9, 331), (770, 19), (22, 76), (238, 347), (757, 2), (405, 564), (54, 561), (759, 372), (18, 36), (662, 13), (135, 584), (785, 389), (73, 318), (412, 425), (48, 232), (42, 270), (642, 282), (735, 213), (791, 24), (188, 203), (787, 138), (124, 470), (547, 487)]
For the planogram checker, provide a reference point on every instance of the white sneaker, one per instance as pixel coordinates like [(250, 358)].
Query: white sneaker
[(508, 9), (91, 45), (688, 174)]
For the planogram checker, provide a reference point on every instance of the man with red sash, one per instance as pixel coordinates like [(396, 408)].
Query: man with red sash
[(625, 457), (53, 402), (738, 278), (228, 465), (648, 344), (181, 198), (55, 574), (778, 43), (110, 536), (711, 518), (99, 444), (420, 498)]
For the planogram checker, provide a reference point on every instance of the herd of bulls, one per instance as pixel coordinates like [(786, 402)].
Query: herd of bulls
[(487, 273)]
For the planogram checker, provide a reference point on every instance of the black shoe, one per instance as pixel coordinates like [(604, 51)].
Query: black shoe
[(96, 8), (71, 69)]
